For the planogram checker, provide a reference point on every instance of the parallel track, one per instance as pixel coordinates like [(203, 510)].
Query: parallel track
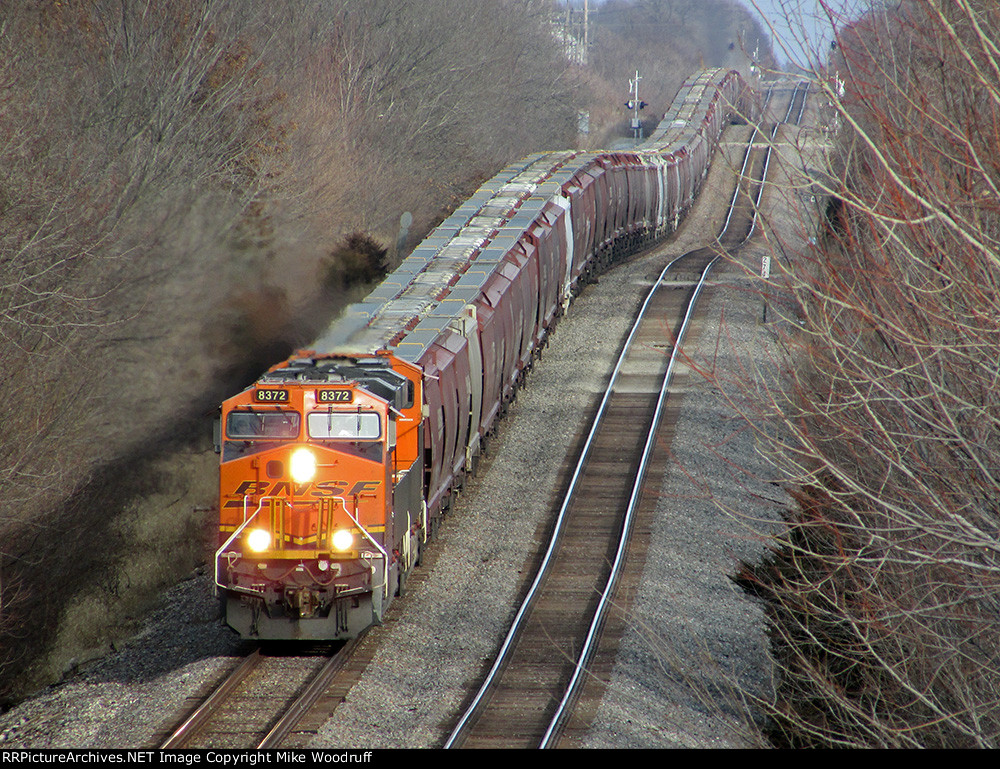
[(516, 706), (530, 691)]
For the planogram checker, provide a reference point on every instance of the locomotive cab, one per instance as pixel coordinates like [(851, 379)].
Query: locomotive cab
[(320, 496)]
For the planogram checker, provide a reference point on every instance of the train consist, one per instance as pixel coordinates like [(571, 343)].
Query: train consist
[(338, 463)]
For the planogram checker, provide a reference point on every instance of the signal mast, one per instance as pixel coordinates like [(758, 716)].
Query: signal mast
[(635, 104)]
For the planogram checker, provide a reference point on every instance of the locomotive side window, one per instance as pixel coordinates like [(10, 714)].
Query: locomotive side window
[(248, 425), (345, 425)]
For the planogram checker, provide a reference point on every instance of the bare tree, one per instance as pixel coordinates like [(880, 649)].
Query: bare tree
[(883, 592), (174, 177)]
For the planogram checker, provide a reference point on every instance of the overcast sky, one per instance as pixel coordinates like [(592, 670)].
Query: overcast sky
[(809, 21)]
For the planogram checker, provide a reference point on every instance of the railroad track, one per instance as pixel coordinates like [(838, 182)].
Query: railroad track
[(261, 700), (529, 694)]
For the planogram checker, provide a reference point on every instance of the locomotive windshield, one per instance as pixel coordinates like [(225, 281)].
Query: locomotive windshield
[(345, 425), (248, 425)]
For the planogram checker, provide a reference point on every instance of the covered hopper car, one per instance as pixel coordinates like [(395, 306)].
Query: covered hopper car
[(338, 463)]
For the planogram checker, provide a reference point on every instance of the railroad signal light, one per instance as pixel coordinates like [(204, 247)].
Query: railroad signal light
[(635, 104)]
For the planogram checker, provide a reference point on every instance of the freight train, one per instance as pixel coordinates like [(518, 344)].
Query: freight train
[(338, 463)]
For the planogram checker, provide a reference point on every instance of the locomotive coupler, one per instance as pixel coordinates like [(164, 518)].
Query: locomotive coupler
[(303, 602)]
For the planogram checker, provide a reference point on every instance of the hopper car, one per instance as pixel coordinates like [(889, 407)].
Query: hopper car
[(338, 464)]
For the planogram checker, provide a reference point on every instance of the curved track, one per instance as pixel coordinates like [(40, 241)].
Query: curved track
[(530, 691), (526, 702)]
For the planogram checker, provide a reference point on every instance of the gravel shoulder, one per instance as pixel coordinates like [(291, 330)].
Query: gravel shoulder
[(693, 638)]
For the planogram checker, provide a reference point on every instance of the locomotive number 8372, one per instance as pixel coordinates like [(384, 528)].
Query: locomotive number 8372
[(338, 463), (320, 495)]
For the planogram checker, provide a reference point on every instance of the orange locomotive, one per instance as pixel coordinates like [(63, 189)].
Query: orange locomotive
[(338, 463), (321, 509)]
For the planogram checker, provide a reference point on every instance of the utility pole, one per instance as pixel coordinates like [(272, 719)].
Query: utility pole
[(570, 26)]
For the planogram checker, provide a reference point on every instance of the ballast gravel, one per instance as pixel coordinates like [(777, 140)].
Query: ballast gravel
[(694, 647)]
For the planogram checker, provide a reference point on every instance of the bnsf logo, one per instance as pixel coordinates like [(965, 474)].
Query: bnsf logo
[(322, 489)]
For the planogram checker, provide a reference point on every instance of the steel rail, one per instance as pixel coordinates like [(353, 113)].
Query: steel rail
[(561, 714), (183, 734), (558, 719), (318, 683), (743, 168), (529, 599), (309, 696), (532, 593), (505, 649), (803, 88), (562, 711)]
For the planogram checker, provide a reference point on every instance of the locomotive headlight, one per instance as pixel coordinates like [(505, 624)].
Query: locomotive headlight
[(259, 540), (303, 466), (343, 539)]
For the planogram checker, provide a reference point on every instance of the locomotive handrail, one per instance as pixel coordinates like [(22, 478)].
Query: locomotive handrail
[(233, 536), (385, 556), (551, 253), (246, 522)]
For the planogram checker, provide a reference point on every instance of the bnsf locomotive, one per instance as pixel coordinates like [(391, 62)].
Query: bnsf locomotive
[(338, 463)]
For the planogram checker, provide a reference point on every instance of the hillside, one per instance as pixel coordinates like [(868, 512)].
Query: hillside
[(179, 182)]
